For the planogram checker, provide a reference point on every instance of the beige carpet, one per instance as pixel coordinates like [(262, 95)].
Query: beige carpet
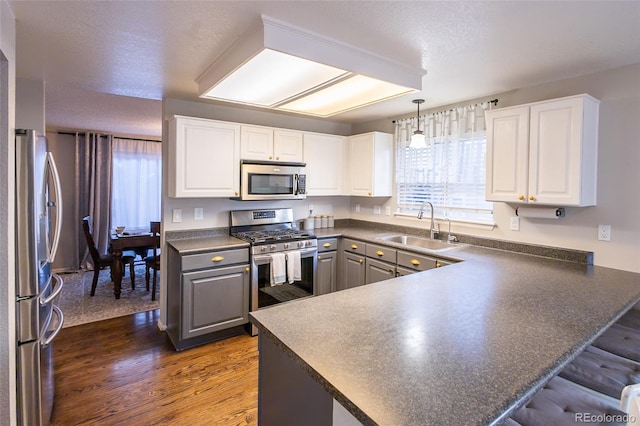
[(79, 307)]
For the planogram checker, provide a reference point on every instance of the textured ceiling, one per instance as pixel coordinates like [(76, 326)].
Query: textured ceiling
[(107, 64)]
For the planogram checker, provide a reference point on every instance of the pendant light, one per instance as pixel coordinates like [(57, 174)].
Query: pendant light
[(417, 139)]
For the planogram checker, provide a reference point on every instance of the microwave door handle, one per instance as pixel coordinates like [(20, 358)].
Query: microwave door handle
[(295, 184)]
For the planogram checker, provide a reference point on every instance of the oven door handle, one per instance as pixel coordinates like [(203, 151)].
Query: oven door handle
[(303, 253)]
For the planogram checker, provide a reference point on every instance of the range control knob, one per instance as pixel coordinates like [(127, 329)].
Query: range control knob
[(263, 248), (272, 247), (300, 243), (286, 245)]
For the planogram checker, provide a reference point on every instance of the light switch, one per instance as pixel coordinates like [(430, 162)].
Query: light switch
[(357, 208), (177, 215), (515, 223), (198, 213), (376, 210)]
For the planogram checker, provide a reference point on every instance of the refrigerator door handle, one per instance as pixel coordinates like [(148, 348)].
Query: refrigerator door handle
[(44, 343), (58, 190), (56, 291)]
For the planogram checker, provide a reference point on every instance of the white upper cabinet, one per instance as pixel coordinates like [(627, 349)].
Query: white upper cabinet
[(204, 158), (544, 153), (268, 144), (370, 165), (324, 155)]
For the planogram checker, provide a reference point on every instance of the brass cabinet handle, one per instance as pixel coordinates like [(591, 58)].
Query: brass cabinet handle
[(380, 253), (319, 257), (369, 194), (246, 269), (277, 158), (438, 264), (217, 259), (415, 262), (236, 193), (521, 198), (532, 198), (354, 247), (326, 245), (360, 260), (271, 157)]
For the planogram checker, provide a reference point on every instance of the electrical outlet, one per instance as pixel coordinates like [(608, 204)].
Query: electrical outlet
[(357, 208), (177, 215), (310, 207), (387, 210), (198, 213), (515, 223), (604, 232), (376, 210)]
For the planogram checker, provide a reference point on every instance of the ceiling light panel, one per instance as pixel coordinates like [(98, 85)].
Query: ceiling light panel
[(280, 66), (352, 93), (272, 77)]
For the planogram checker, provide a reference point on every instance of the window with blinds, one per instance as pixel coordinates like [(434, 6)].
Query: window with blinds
[(449, 172)]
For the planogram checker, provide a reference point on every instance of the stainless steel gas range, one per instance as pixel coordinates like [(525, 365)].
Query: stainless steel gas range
[(283, 258)]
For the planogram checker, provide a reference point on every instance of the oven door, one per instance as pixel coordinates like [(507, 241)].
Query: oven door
[(264, 294)]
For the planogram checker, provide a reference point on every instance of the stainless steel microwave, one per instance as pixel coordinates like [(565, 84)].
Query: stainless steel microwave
[(271, 180)]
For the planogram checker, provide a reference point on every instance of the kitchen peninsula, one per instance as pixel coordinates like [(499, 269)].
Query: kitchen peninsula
[(465, 344)]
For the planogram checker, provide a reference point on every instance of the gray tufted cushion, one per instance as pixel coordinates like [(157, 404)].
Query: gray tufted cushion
[(602, 371), (620, 340), (558, 403), (631, 319)]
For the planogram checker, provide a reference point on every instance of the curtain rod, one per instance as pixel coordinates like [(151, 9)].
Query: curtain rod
[(493, 101), (117, 137)]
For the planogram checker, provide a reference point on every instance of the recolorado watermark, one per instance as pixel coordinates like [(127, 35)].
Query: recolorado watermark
[(604, 418)]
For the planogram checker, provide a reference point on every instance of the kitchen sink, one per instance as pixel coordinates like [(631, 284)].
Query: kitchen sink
[(425, 243)]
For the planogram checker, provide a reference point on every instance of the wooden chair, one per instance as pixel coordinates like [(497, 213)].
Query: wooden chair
[(153, 261), (101, 261)]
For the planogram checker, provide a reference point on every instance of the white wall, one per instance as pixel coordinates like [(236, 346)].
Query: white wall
[(7, 220), (30, 105), (618, 175)]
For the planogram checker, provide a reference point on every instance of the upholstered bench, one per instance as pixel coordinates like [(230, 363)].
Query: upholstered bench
[(602, 371), (631, 319), (620, 340), (561, 402)]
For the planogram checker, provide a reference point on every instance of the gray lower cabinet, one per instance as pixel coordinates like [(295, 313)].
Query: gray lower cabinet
[(208, 296), (327, 270), (379, 271), (352, 269)]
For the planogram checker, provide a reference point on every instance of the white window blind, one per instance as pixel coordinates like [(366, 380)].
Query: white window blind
[(450, 171)]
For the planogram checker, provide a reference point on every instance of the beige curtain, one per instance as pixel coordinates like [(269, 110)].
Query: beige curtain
[(93, 191)]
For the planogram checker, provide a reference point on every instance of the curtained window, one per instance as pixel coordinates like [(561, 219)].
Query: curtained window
[(137, 183), (450, 171)]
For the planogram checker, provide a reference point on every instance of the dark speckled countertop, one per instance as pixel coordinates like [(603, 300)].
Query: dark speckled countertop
[(464, 344)]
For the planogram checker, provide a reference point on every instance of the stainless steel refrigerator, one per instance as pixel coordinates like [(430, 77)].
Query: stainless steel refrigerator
[(38, 319)]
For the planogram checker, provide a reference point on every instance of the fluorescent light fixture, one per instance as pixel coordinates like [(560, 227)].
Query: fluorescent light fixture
[(286, 68)]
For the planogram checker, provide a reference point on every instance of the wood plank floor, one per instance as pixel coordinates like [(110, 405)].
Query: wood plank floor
[(124, 371)]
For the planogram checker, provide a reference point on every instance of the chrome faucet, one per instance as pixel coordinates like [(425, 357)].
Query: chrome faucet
[(434, 232), (450, 238)]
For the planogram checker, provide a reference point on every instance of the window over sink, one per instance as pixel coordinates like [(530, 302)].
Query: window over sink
[(450, 171)]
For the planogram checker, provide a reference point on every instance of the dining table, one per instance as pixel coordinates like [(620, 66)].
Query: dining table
[(123, 242)]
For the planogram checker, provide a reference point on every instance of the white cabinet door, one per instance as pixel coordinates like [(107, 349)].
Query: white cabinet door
[(256, 143), (204, 158), (544, 153), (287, 145), (507, 154), (562, 153), (324, 155), (371, 164)]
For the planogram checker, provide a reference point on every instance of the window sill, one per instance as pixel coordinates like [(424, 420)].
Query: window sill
[(461, 222)]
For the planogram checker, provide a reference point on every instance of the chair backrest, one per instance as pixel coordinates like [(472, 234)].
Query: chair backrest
[(154, 227), (91, 244)]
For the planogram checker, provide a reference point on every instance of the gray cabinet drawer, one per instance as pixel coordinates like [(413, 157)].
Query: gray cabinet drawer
[(214, 259), (381, 253), (415, 261), (354, 246), (327, 244)]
